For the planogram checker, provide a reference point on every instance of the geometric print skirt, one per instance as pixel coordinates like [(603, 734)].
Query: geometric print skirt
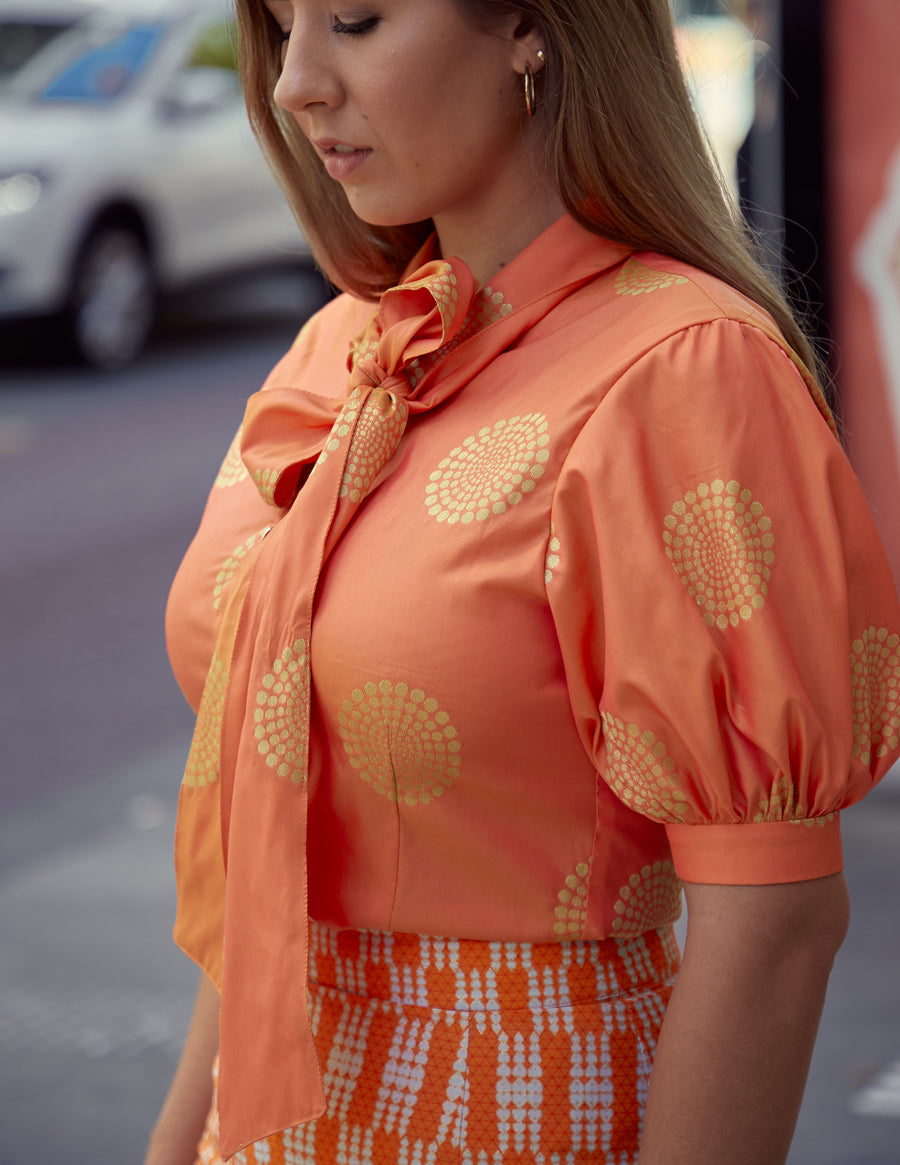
[(437, 1051)]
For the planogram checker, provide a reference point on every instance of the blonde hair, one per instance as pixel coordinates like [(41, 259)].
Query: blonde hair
[(622, 140)]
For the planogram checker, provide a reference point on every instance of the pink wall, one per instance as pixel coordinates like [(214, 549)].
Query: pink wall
[(864, 178)]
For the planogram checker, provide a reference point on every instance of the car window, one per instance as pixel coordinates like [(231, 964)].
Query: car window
[(21, 39), (107, 69), (206, 82)]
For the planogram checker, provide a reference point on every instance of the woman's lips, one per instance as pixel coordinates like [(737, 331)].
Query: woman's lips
[(340, 159)]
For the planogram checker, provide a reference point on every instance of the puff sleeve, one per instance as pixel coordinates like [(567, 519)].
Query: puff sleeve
[(728, 621)]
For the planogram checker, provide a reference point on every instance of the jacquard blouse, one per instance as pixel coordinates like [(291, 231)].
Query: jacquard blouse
[(612, 614)]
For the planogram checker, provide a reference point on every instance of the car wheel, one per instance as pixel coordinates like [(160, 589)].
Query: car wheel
[(112, 304)]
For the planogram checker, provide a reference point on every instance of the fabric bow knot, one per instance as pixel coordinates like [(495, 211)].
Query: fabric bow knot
[(286, 429), (250, 813)]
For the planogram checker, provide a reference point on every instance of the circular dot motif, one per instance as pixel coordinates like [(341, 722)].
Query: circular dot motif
[(721, 544), (571, 913), (233, 562), (640, 772), (651, 899), (551, 562), (814, 822), (281, 715), (443, 288), (375, 438), (779, 805), (400, 741), (203, 763), (232, 470), (265, 481), (490, 471), (362, 347), (343, 426), (875, 675), (488, 306), (637, 278)]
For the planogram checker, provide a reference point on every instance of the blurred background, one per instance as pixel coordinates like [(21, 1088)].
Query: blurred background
[(149, 278)]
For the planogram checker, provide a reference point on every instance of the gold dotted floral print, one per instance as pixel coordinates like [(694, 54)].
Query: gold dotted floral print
[(651, 898), (781, 805), (265, 481), (487, 307), (232, 470), (374, 441), (814, 822), (281, 714), (640, 772), (571, 913), (203, 760), (400, 741), (490, 471), (721, 544), (233, 562), (551, 562), (637, 278), (875, 674), (343, 426), (443, 287), (362, 348)]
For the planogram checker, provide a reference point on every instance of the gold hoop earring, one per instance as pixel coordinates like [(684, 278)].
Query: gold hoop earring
[(530, 98)]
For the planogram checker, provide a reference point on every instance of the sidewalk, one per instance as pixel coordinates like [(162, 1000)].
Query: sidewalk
[(94, 996)]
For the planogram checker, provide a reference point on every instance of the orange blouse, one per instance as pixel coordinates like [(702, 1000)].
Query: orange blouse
[(584, 599)]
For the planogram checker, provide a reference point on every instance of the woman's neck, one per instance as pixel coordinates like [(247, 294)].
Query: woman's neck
[(493, 238)]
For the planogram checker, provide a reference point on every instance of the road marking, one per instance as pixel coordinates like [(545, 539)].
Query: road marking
[(882, 1096)]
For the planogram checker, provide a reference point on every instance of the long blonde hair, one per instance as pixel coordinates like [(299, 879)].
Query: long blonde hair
[(622, 139)]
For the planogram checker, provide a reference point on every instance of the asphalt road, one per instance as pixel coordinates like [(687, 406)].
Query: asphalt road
[(101, 483)]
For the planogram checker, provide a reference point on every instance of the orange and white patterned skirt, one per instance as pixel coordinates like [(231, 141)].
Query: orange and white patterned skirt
[(439, 1050)]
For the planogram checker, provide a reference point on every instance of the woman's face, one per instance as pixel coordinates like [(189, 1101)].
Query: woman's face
[(414, 111)]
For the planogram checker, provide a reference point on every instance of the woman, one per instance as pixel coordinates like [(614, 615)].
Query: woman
[(529, 588)]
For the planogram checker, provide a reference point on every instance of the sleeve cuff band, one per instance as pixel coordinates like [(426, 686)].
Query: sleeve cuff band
[(757, 853)]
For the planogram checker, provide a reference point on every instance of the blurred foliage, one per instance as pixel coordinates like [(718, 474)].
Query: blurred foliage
[(216, 48)]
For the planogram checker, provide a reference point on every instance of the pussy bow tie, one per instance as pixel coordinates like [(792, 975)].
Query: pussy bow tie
[(252, 735), (244, 810)]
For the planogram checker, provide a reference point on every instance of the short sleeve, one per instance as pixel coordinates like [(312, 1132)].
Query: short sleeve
[(728, 621)]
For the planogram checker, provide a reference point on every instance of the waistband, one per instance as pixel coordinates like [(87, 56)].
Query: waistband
[(452, 974)]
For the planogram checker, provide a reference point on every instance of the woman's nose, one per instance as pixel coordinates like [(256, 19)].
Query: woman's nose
[(306, 77)]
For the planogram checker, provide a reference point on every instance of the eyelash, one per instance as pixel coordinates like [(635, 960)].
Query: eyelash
[(359, 28)]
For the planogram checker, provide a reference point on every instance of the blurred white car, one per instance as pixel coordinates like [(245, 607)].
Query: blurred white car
[(23, 32), (127, 166)]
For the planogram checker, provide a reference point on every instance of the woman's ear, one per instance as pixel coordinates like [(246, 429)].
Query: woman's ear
[(528, 48)]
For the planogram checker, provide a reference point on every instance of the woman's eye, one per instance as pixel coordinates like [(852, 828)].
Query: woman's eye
[(356, 27)]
